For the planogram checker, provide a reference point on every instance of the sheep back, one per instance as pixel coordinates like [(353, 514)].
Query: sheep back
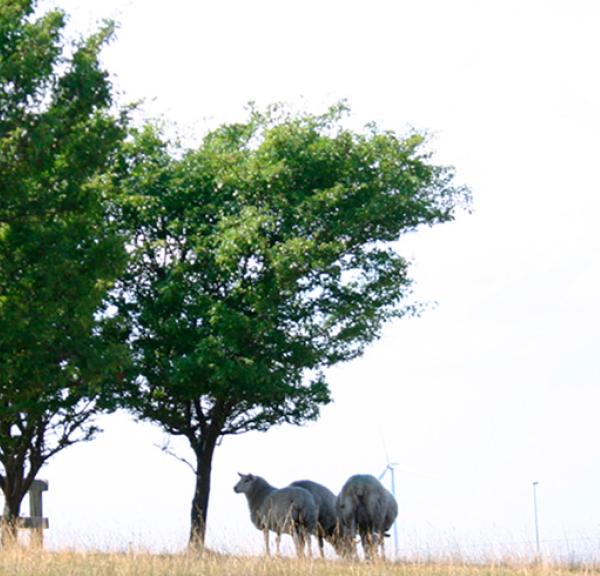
[(325, 501), (365, 505), (286, 508)]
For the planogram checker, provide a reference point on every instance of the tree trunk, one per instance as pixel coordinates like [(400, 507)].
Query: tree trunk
[(10, 515), (204, 450), (15, 484)]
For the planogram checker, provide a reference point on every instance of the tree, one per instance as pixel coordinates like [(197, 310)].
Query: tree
[(258, 260), (59, 253)]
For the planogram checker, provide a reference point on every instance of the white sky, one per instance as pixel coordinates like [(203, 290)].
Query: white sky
[(491, 389)]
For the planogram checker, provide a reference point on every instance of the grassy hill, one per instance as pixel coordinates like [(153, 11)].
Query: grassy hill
[(26, 562)]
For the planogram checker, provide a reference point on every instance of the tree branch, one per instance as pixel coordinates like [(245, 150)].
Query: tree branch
[(165, 448)]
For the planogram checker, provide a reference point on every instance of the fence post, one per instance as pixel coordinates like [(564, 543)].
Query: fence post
[(36, 512)]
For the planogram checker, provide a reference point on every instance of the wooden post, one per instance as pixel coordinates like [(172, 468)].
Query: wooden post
[(36, 520)]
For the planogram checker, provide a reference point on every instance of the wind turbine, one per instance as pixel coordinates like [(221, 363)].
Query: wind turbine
[(390, 467)]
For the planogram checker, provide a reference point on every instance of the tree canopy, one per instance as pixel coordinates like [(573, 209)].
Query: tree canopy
[(59, 253), (259, 259)]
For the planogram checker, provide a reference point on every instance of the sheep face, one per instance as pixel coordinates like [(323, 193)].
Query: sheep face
[(244, 484)]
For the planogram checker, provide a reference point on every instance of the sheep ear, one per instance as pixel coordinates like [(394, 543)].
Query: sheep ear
[(240, 475)]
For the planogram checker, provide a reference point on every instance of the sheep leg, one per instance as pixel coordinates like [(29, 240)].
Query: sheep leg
[(321, 544), (374, 544), (382, 545), (308, 543), (301, 538), (278, 543), (367, 544), (353, 541), (266, 536), (298, 543), (346, 539)]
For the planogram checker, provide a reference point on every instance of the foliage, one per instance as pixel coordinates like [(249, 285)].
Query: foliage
[(261, 258), (58, 253)]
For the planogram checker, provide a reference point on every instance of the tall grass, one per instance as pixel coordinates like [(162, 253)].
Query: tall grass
[(19, 561)]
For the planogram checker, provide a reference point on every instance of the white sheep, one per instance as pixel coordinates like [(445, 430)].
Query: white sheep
[(291, 510), (326, 512), (366, 508)]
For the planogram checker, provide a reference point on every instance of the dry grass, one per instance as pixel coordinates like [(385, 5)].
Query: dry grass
[(24, 562)]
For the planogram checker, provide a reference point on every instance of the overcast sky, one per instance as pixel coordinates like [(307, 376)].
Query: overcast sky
[(495, 386)]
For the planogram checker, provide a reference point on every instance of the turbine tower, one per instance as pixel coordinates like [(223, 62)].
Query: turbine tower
[(390, 467)]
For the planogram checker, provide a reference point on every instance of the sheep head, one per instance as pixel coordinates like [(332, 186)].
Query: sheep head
[(244, 483)]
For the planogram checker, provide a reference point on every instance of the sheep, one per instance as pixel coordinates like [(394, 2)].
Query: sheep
[(291, 510), (326, 512), (365, 507)]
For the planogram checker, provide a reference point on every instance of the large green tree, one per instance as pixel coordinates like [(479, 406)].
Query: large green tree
[(59, 254), (258, 260)]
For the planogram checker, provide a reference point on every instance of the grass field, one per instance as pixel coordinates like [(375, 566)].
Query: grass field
[(26, 562)]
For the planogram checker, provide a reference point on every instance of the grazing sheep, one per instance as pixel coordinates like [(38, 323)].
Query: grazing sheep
[(365, 507), (291, 510), (326, 513)]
